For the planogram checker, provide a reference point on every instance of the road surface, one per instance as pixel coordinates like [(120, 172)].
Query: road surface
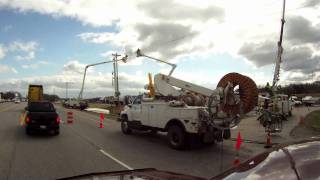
[(82, 147)]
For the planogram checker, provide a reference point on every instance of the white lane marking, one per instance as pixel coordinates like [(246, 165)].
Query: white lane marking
[(116, 160)]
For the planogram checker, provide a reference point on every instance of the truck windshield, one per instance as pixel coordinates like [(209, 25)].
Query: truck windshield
[(41, 107)]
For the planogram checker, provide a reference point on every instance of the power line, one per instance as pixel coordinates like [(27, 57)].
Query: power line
[(172, 41)]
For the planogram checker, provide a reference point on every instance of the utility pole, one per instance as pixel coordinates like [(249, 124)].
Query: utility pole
[(116, 76)]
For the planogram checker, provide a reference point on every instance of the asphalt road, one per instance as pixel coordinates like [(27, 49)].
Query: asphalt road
[(82, 147)]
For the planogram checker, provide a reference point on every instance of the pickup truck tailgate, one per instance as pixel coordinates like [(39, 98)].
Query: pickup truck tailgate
[(42, 118)]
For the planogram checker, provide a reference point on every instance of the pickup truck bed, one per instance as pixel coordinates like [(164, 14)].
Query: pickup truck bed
[(41, 116)]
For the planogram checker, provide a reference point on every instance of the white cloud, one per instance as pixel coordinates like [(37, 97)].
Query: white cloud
[(7, 69), (26, 47), (2, 51), (44, 62), (30, 66), (96, 85), (107, 54), (175, 29), (23, 46), (29, 56), (73, 67), (35, 65)]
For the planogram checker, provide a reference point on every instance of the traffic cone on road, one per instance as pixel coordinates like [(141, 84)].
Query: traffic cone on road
[(268, 143), (236, 162), (70, 117), (301, 120), (101, 121)]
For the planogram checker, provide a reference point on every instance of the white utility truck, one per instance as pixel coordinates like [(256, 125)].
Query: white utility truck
[(284, 106), (188, 111)]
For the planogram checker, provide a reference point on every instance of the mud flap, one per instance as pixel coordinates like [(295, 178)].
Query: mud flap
[(226, 134)]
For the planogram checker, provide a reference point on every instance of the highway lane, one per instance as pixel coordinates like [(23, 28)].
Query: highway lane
[(142, 150), (45, 156), (83, 147)]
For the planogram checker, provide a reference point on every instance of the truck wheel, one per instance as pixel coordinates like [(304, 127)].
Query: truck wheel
[(28, 131), (176, 137), (57, 132), (125, 126)]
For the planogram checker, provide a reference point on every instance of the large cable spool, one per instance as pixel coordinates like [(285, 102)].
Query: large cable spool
[(248, 93)]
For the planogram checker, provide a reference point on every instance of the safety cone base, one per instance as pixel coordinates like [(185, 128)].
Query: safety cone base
[(236, 162), (268, 143)]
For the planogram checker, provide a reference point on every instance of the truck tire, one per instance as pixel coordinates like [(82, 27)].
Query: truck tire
[(125, 126), (176, 137), (57, 132), (28, 131)]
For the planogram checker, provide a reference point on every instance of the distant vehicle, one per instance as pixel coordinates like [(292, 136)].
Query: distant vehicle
[(299, 160), (309, 100), (76, 104), (35, 93), (41, 116), (294, 100), (284, 105), (17, 101)]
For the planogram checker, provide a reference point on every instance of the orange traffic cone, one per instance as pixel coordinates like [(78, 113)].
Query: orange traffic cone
[(236, 162), (70, 117), (101, 121), (301, 120), (268, 143)]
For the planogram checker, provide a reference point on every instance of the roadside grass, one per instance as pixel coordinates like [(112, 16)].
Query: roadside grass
[(312, 120)]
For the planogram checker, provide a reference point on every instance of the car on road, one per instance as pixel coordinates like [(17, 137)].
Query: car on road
[(298, 160), (309, 100), (76, 104), (41, 116), (294, 101), (17, 101)]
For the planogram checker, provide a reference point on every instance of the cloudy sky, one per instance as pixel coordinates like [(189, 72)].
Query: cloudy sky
[(50, 42)]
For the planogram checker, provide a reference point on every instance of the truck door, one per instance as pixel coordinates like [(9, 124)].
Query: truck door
[(136, 109)]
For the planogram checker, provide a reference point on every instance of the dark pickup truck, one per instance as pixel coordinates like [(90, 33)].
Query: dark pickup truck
[(41, 116)]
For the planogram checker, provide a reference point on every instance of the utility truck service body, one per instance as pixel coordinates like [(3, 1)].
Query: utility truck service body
[(158, 114)]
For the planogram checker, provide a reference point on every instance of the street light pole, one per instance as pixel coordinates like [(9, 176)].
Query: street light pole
[(116, 75)]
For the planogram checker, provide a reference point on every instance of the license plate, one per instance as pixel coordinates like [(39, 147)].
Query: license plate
[(43, 127)]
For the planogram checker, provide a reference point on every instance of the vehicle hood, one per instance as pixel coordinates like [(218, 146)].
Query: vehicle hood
[(140, 174), (283, 162)]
